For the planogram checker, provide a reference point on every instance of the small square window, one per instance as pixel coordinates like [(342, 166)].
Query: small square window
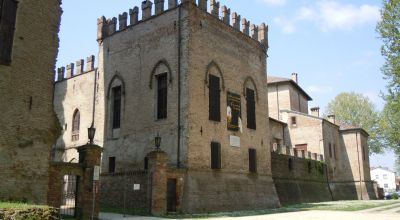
[(293, 121), (111, 164)]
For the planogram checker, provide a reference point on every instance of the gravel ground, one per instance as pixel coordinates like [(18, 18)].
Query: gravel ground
[(390, 212)]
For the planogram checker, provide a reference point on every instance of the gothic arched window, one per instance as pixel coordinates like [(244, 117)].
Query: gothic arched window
[(75, 125)]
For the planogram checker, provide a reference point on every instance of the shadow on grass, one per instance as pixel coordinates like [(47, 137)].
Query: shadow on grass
[(285, 209)]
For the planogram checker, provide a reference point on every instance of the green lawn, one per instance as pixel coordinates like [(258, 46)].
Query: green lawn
[(333, 206), (16, 205)]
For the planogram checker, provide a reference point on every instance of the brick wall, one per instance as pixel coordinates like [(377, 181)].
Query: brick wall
[(304, 182), (117, 189), (28, 126)]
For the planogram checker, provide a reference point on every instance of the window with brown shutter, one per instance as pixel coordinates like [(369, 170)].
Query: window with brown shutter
[(330, 150), (252, 160), (251, 109), (8, 12), (111, 164), (215, 155), (116, 123), (76, 118), (162, 96), (214, 99)]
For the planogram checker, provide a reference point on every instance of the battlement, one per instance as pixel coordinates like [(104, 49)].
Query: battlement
[(107, 27), (64, 73), (285, 150)]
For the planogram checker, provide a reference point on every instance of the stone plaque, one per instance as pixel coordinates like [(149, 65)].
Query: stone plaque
[(96, 173), (136, 187), (234, 141)]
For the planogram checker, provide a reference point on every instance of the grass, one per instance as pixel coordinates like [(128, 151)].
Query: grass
[(139, 212), (332, 206), (18, 205)]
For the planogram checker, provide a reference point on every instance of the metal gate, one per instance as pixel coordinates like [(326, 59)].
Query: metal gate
[(69, 196)]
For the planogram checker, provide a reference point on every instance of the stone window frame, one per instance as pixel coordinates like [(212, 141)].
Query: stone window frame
[(116, 81), (75, 128), (160, 68), (214, 69), (249, 83)]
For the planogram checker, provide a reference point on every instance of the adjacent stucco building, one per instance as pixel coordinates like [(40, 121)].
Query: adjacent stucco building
[(345, 148), (385, 178)]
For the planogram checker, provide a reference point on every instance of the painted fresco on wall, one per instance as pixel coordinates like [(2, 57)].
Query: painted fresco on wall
[(233, 112)]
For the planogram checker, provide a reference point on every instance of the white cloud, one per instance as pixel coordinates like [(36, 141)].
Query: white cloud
[(331, 15), (287, 25), (274, 2), (319, 89)]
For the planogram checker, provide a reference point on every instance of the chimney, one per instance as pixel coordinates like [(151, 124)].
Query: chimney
[(315, 111), (295, 77), (332, 118)]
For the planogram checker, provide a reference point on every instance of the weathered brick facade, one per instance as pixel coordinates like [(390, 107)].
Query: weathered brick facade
[(28, 126), (345, 150)]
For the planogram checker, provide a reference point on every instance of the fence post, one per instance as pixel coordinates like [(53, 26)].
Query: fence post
[(88, 195), (158, 171)]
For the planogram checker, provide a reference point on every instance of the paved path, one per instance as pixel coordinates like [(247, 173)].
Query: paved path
[(389, 209), (390, 212)]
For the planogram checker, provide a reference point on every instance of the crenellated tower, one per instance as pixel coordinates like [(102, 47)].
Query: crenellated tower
[(194, 74)]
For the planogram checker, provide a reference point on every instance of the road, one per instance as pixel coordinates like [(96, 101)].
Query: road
[(390, 212)]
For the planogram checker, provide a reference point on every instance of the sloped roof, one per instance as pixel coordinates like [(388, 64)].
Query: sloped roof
[(271, 80), (348, 127)]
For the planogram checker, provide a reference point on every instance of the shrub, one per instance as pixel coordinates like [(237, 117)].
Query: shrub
[(29, 213), (395, 196)]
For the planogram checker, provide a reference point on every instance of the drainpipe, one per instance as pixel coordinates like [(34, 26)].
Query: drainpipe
[(94, 96), (277, 100), (178, 160)]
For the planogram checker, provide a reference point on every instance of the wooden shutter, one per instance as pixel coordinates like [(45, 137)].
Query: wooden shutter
[(8, 12), (252, 160), (162, 96), (251, 109), (215, 155), (214, 99), (111, 164), (116, 107)]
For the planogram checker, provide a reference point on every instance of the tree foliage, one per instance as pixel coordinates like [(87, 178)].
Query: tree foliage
[(388, 28), (357, 110)]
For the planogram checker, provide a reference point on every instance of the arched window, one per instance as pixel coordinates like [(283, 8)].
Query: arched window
[(215, 82), (75, 125), (250, 92), (115, 105)]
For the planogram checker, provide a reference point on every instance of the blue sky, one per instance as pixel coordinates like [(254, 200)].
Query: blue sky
[(331, 44)]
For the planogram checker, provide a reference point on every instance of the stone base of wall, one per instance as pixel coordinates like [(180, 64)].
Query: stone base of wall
[(300, 191), (213, 191), (353, 190), (117, 190)]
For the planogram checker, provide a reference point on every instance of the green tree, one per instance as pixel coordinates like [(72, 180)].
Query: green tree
[(357, 110), (388, 28)]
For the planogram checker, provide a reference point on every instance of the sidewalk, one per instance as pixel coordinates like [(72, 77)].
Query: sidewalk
[(113, 216)]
